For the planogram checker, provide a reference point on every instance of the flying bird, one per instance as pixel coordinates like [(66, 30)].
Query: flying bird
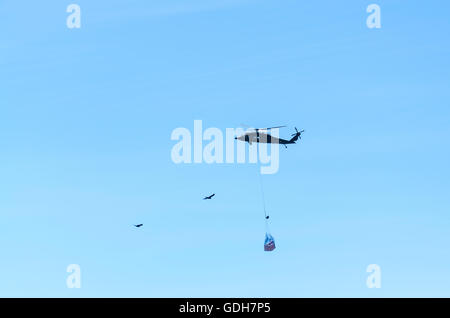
[(138, 225), (209, 197)]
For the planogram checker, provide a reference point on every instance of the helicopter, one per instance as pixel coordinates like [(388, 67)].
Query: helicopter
[(261, 135)]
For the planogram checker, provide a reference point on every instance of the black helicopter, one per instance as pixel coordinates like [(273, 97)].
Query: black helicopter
[(260, 135)]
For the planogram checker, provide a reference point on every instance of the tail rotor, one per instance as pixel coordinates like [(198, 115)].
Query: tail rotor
[(298, 134)]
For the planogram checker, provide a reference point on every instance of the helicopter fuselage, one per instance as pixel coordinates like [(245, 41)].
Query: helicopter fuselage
[(264, 138)]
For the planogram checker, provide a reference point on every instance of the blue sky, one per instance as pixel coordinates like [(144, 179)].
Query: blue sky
[(85, 122)]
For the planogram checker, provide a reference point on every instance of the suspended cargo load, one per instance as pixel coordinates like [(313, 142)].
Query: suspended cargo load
[(269, 243)]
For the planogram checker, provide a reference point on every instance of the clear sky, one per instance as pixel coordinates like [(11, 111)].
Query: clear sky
[(85, 122)]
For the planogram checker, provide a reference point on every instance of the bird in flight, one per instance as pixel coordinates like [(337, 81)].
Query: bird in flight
[(138, 225), (209, 197)]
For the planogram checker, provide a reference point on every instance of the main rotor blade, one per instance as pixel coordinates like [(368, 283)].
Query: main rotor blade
[(259, 129), (268, 128)]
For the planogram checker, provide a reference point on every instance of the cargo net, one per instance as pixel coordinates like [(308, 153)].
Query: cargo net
[(269, 243)]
